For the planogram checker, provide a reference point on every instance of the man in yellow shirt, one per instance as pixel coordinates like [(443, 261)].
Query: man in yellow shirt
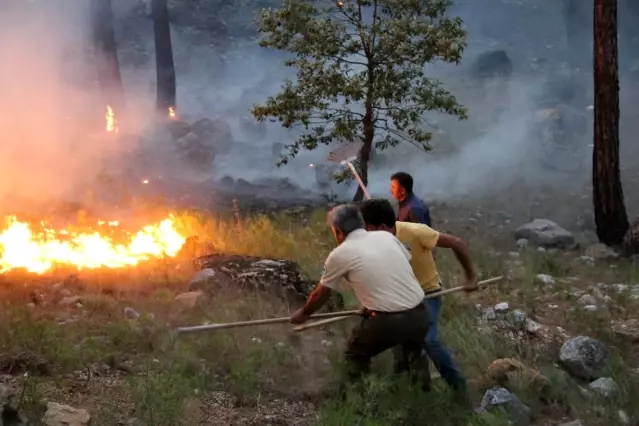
[(421, 240)]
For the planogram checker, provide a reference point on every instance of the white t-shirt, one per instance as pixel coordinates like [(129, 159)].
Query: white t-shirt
[(377, 266)]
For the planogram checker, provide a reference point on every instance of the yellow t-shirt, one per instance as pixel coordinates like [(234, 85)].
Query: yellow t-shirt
[(421, 239)]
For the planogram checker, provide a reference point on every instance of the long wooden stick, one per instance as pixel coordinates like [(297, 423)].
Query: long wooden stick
[(210, 327), (320, 323)]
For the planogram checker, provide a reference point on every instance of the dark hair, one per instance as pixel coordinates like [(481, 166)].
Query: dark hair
[(377, 212), (405, 180), (346, 217)]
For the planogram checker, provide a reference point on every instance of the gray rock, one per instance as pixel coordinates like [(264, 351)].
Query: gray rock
[(522, 243), (65, 415), (519, 318), (131, 313), (502, 400), (282, 278), (590, 308), (573, 423), (531, 326), (546, 234), (502, 307), (489, 314), (202, 278), (545, 279), (9, 415), (584, 357), (624, 418), (588, 299), (605, 386)]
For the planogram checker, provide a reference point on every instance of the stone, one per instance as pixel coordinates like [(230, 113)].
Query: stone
[(502, 307), (590, 308), (190, 299), (69, 301), (9, 415), (522, 243), (489, 314), (588, 299), (506, 372), (626, 329), (188, 140), (494, 63), (584, 357), (531, 326), (282, 278), (65, 415), (131, 313), (202, 278), (573, 423), (502, 400), (605, 386), (624, 418), (545, 234), (545, 279), (519, 318)]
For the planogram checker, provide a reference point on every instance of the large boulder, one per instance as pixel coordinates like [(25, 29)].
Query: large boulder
[(545, 233), (502, 401), (65, 415), (585, 357), (495, 63), (9, 415), (282, 278)]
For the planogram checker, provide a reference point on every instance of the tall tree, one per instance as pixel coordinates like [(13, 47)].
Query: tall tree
[(106, 55), (610, 211), (360, 71), (166, 84)]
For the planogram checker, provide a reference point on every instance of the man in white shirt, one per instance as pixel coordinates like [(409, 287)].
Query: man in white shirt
[(377, 267)]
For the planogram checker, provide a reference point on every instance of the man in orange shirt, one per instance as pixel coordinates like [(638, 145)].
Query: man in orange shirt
[(421, 240)]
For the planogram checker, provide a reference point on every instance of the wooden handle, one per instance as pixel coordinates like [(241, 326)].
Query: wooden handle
[(281, 320), (320, 323), (316, 324)]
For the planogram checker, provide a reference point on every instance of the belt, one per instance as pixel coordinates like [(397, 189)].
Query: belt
[(370, 312)]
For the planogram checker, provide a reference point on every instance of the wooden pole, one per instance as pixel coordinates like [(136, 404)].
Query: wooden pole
[(211, 327), (320, 323)]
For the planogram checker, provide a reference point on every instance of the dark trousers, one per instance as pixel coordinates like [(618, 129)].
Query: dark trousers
[(436, 351), (379, 331)]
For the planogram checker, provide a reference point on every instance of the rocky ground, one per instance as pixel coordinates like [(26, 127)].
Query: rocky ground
[(554, 343)]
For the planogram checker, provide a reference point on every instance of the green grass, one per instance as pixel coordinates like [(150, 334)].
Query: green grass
[(159, 379)]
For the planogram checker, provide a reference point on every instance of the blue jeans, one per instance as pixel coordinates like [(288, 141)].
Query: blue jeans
[(438, 353)]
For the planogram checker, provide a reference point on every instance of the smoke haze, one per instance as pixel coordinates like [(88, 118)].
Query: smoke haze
[(52, 121)]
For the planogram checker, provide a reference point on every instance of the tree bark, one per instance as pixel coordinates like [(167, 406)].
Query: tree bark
[(610, 212), (106, 56), (166, 82)]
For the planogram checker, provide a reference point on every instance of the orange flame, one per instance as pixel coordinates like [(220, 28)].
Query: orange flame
[(39, 252), (110, 120), (172, 112)]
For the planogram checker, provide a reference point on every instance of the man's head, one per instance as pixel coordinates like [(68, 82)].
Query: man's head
[(401, 185), (378, 215), (345, 219)]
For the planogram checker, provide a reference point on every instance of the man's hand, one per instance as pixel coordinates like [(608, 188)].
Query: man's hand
[(470, 285), (299, 317)]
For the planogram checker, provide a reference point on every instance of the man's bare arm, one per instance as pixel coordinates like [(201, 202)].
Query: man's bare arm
[(462, 254), (318, 297)]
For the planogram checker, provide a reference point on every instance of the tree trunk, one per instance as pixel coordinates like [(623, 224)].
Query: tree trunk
[(166, 85), (106, 57), (610, 212), (365, 153)]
